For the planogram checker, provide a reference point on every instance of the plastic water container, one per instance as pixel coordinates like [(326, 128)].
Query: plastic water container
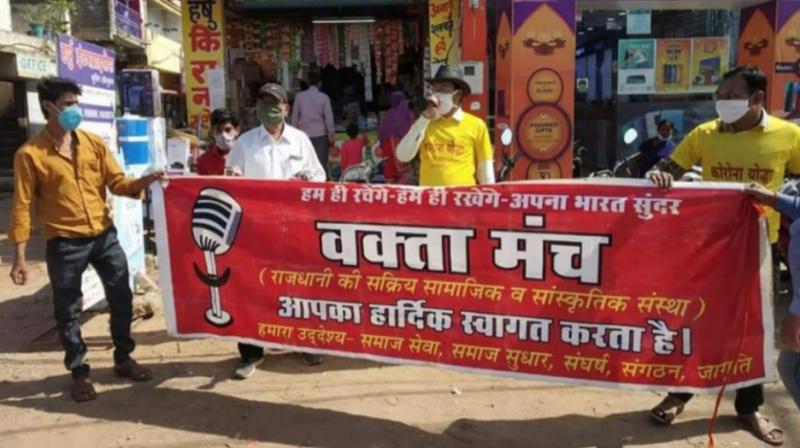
[(133, 140)]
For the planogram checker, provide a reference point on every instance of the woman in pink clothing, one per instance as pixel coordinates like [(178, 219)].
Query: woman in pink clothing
[(353, 149)]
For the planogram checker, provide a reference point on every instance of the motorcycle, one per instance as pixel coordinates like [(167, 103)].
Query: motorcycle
[(366, 172)]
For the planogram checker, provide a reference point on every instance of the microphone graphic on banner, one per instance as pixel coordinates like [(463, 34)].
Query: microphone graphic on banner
[(215, 221)]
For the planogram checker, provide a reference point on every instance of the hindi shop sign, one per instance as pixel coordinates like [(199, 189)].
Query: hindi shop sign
[(203, 49), (548, 281)]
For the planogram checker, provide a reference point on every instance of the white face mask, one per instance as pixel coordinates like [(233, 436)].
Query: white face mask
[(664, 139), (224, 141), (731, 111), (446, 103)]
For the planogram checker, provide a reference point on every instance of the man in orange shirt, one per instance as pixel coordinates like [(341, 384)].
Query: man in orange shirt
[(65, 173)]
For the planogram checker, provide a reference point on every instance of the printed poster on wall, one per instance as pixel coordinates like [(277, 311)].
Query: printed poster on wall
[(637, 59), (93, 69), (639, 21), (710, 60), (673, 60)]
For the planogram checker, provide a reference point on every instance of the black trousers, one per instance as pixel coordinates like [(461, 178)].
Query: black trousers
[(67, 259), (321, 148), (748, 399), (249, 352)]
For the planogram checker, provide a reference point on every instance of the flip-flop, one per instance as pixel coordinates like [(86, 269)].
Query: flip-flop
[(666, 411), (763, 428), (82, 390)]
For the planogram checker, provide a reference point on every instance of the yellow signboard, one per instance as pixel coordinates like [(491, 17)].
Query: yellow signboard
[(445, 26), (203, 50)]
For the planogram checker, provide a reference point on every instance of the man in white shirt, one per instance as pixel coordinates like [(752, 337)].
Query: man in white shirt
[(277, 151)]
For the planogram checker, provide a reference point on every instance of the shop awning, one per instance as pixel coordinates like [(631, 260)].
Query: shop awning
[(297, 4)]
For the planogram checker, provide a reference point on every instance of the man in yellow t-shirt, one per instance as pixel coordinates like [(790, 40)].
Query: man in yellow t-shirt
[(744, 145), (454, 146)]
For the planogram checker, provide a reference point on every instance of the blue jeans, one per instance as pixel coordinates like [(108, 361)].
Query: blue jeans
[(789, 369), (67, 258)]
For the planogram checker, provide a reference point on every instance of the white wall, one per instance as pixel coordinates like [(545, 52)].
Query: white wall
[(5, 15), (36, 120), (163, 22)]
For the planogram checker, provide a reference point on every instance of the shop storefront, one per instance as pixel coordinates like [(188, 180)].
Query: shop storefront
[(635, 68), (549, 76)]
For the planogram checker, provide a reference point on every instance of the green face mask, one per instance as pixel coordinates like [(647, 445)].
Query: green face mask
[(270, 115)]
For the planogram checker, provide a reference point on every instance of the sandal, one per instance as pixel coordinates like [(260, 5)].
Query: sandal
[(763, 428), (132, 370), (82, 390), (666, 411)]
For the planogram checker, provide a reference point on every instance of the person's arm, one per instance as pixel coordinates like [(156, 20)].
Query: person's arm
[(409, 146), (235, 160), (20, 231), (120, 185), (296, 110), (784, 203), (677, 164), (312, 168), (485, 156), (327, 113), (788, 205)]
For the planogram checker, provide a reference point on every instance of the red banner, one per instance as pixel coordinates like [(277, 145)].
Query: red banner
[(602, 284)]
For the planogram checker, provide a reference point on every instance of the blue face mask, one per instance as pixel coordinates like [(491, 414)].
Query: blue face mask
[(70, 118)]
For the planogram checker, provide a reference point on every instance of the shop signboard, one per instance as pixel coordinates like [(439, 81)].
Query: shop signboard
[(204, 50), (637, 58), (33, 67), (785, 84), (93, 68), (535, 82), (673, 61), (710, 60), (445, 26)]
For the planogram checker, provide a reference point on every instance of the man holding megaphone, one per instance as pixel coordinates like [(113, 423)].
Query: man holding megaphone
[(454, 146)]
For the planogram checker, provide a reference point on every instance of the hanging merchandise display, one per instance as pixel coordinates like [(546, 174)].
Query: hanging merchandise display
[(286, 50), (308, 50), (377, 33)]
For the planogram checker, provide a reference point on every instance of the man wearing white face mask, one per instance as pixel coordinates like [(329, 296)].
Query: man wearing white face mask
[(744, 145), (224, 130), (454, 145)]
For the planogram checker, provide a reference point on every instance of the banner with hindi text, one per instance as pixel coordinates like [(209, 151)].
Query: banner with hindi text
[(607, 284)]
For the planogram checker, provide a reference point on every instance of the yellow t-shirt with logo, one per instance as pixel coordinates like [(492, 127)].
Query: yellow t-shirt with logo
[(452, 149), (763, 154)]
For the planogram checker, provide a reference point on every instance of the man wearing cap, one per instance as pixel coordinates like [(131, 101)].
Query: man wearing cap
[(454, 146), (275, 151)]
